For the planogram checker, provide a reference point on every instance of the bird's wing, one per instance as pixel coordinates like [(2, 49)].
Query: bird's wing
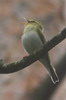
[(41, 36)]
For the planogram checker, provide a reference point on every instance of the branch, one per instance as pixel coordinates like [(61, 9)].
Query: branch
[(27, 60)]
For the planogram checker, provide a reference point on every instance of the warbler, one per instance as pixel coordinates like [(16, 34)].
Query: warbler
[(32, 40)]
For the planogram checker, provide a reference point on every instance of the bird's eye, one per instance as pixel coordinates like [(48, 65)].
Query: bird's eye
[(32, 21)]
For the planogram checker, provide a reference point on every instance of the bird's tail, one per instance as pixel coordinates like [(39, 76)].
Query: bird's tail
[(50, 70), (53, 74)]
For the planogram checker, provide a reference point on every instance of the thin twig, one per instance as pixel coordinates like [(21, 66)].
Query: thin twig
[(28, 60)]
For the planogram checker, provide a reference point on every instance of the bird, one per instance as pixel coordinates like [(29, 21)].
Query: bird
[(32, 40)]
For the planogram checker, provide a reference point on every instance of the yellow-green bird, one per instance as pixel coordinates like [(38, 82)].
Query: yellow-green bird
[(32, 40)]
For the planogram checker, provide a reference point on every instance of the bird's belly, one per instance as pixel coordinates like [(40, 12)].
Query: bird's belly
[(31, 42)]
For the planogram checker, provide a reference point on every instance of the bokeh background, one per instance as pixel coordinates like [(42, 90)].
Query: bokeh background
[(52, 14)]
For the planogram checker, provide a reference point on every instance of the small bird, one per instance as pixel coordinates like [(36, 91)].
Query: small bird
[(32, 40)]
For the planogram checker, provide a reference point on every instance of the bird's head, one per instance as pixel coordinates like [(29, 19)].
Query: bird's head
[(31, 24)]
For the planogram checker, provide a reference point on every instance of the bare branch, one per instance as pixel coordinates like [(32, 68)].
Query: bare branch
[(27, 60)]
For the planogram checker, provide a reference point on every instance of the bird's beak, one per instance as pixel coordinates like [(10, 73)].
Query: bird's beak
[(24, 22)]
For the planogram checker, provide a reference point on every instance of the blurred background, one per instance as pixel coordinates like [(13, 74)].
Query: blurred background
[(52, 14)]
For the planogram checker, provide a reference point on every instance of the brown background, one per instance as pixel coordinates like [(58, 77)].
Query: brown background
[(52, 14)]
